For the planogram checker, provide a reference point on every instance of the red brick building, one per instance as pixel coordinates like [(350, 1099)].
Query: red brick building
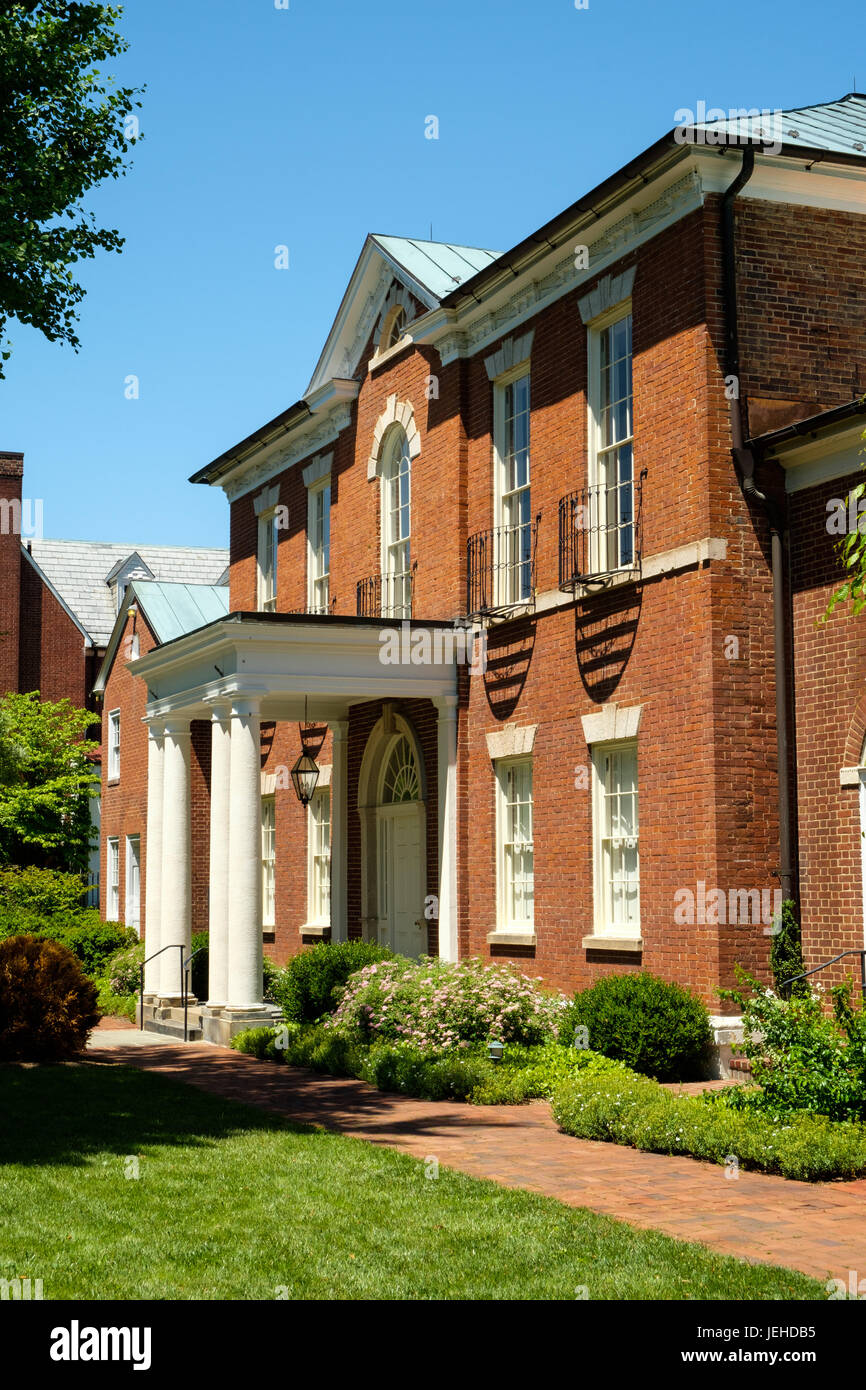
[(558, 450)]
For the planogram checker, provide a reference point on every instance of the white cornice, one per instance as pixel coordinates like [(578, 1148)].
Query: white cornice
[(332, 413), (835, 453), (822, 184)]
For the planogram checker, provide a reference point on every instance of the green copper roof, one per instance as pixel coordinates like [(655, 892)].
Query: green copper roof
[(836, 126), (172, 610), (437, 265)]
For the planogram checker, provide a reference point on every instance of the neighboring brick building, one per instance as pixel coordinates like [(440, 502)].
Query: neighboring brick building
[(535, 446), (59, 601)]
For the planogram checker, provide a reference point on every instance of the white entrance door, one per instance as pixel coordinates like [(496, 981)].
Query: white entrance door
[(402, 879)]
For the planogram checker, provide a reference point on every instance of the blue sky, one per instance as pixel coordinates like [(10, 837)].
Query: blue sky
[(305, 127)]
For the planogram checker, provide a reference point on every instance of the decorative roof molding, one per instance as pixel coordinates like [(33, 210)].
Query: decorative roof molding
[(395, 413), (511, 742), (610, 291), (612, 723), (397, 295), (630, 230), (324, 432), (512, 352), (266, 500), (317, 470), (368, 316)]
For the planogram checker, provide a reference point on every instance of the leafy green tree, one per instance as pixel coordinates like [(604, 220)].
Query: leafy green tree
[(46, 780), (64, 128)]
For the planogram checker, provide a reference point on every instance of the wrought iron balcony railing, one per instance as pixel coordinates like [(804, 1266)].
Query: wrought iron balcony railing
[(386, 595), (600, 532), (500, 569)]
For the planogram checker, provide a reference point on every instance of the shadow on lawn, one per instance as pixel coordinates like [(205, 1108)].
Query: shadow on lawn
[(68, 1113)]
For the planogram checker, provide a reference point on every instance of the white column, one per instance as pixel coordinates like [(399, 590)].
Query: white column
[(153, 852), (245, 859), (176, 905), (218, 890), (339, 831), (446, 776)]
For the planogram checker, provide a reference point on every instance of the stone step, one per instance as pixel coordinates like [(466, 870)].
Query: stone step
[(174, 1027)]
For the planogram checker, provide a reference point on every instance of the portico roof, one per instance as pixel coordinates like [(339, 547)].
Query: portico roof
[(285, 661)]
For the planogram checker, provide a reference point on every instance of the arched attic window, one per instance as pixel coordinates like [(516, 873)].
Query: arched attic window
[(393, 328)]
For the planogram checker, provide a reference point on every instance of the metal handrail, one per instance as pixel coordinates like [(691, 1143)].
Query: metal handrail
[(186, 965), (172, 946), (806, 973)]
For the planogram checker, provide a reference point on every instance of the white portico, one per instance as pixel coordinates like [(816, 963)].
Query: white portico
[(236, 673)]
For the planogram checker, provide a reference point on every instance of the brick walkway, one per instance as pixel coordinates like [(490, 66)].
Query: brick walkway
[(817, 1228)]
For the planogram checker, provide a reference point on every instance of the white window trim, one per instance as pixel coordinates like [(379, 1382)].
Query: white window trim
[(132, 911), (312, 919), (315, 488), (112, 881), (388, 453), (504, 926), (500, 384), (268, 917), (114, 745), (266, 603), (595, 328), (602, 928)]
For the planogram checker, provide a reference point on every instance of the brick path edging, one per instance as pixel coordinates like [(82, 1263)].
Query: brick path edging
[(818, 1228)]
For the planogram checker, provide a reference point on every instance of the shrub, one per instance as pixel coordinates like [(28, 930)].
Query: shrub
[(437, 1005), (198, 971), (412, 1071), (633, 1110), (41, 892), (92, 940), (47, 1006), (803, 1058), (656, 1028), (786, 954), (304, 989), (122, 971), (270, 976)]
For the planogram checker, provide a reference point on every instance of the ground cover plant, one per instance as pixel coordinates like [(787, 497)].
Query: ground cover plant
[(281, 1211), (633, 1110)]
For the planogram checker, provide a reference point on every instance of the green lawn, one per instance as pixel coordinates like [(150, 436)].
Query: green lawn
[(233, 1203)]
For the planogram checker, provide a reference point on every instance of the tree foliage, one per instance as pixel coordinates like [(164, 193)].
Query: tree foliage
[(851, 549), (46, 781), (64, 128)]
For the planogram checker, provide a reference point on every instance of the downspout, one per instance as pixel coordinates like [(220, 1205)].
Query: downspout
[(744, 460)]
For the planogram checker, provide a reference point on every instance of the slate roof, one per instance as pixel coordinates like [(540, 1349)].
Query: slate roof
[(78, 571)]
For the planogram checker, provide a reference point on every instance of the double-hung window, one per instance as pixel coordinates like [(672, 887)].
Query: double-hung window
[(269, 860), (113, 745), (132, 916), (515, 851), (397, 529), (617, 857), (267, 562), (319, 858), (513, 550), (318, 547), (611, 455), (112, 903)]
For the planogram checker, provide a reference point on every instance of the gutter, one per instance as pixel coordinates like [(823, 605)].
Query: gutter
[(744, 460)]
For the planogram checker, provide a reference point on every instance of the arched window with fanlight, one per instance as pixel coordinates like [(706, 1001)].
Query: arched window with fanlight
[(401, 781), (393, 328), (396, 528)]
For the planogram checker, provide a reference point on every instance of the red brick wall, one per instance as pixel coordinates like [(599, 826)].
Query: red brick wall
[(11, 471), (829, 673), (54, 658)]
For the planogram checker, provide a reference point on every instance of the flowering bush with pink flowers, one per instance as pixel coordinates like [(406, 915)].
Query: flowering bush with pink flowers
[(439, 1005)]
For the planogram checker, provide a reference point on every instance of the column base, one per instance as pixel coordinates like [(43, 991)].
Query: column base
[(220, 1024)]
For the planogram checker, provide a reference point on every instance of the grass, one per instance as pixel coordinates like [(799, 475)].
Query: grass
[(234, 1203)]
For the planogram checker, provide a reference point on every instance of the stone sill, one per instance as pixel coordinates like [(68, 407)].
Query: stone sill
[(315, 929), (613, 943), (511, 938)]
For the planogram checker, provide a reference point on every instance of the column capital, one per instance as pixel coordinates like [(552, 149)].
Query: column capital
[(339, 729), (446, 706), (220, 708), (246, 706), (155, 728), (177, 726)]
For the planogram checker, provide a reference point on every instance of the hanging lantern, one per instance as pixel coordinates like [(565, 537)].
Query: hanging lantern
[(305, 775)]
